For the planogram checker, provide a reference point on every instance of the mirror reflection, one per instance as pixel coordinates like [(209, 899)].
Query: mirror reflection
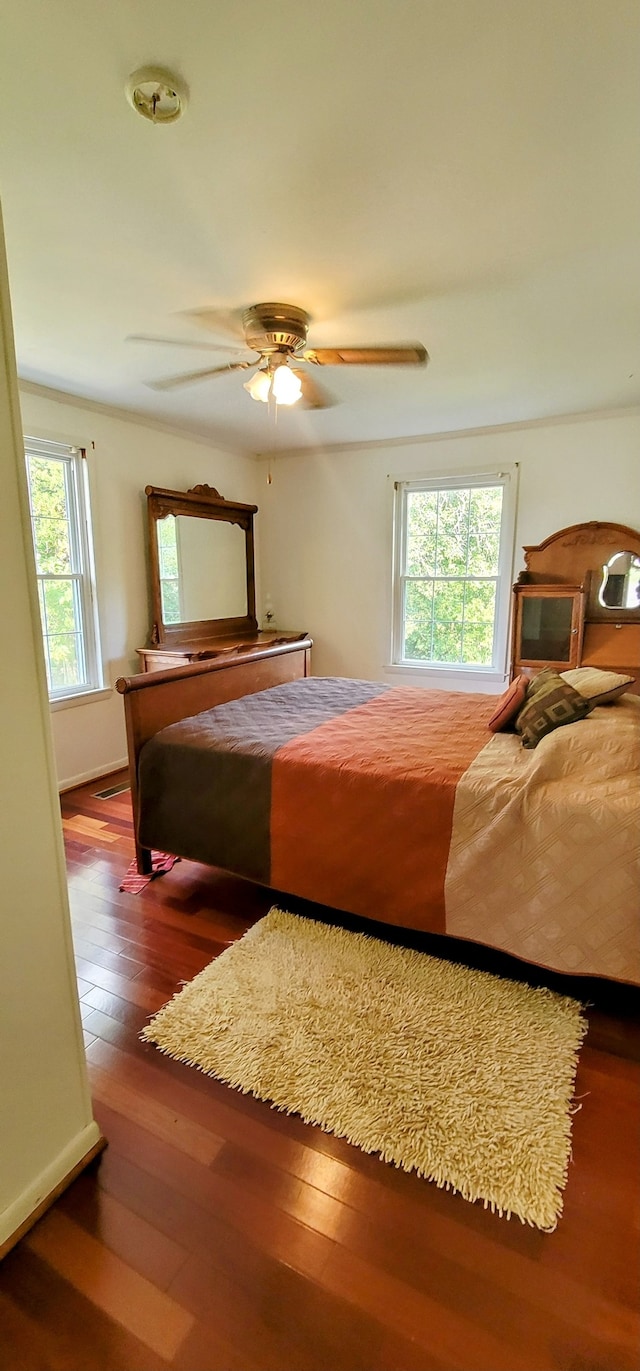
[(620, 588), (203, 569)]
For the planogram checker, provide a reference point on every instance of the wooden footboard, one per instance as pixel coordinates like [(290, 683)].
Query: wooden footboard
[(153, 700)]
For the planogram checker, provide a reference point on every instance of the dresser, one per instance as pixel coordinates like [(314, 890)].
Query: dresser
[(200, 650), (202, 584)]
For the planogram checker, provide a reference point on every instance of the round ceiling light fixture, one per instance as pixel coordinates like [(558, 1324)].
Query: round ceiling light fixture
[(157, 94)]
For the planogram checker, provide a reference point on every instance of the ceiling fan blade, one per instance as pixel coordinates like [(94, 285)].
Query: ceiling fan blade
[(313, 395), (182, 343), (404, 354), (188, 377), (226, 321)]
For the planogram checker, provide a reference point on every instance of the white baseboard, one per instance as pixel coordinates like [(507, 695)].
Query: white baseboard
[(23, 1211), (106, 770)]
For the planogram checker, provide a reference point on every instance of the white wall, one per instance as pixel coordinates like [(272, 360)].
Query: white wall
[(327, 522), (89, 739), (46, 1125)]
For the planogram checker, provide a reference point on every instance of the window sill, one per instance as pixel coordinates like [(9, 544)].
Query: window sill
[(475, 675), (84, 697)]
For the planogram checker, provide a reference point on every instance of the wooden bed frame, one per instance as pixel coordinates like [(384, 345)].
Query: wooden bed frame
[(155, 699)]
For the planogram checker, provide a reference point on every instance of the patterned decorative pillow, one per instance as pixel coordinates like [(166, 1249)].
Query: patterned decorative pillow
[(550, 703), (599, 687), (509, 705)]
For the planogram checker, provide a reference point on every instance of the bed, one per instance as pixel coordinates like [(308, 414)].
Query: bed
[(398, 804)]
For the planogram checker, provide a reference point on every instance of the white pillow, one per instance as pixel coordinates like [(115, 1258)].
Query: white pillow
[(600, 687)]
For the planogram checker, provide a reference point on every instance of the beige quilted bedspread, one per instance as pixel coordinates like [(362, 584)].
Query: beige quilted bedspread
[(545, 852)]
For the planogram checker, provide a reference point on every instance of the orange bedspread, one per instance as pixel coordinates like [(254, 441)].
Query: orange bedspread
[(400, 805), (377, 784)]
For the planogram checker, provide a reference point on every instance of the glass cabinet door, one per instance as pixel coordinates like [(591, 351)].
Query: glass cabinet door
[(548, 626)]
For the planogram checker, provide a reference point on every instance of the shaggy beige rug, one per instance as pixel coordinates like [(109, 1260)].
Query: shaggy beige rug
[(457, 1074)]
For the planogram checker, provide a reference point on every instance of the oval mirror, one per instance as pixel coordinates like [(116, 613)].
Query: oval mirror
[(620, 588)]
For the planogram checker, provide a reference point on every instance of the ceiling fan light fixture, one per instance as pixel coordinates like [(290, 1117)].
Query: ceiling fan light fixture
[(286, 387), (278, 383), (259, 387)]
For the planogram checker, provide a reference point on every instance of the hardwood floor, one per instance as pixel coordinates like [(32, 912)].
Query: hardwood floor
[(215, 1234)]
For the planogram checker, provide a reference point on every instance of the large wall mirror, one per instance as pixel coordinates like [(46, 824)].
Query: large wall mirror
[(202, 565)]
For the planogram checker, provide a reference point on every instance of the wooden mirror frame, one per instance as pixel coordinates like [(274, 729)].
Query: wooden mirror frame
[(201, 502)]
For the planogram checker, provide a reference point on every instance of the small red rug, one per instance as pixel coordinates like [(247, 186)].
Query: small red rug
[(133, 882)]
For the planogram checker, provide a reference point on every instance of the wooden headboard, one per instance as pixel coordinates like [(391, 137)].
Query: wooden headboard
[(574, 558), (576, 554)]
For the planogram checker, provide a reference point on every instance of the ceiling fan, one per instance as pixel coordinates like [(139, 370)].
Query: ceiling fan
[(278, 334)]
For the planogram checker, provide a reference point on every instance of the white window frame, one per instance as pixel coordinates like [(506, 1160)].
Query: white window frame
[(83, 560), (497, 670)]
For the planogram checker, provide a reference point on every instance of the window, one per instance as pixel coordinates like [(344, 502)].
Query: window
[(59, 503), (453, 556), (169, 570)]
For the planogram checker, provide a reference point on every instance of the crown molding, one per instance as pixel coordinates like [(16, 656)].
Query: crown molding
[(129, 416), (316, 449), (373, 444)]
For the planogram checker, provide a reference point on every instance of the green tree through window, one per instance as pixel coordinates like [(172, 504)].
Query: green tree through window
[(167, 533), (57, 498), (450, 539)]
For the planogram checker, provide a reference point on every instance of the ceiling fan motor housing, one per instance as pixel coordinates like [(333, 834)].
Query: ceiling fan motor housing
[(275, 328)]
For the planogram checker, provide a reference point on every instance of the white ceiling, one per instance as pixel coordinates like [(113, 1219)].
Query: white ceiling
[(464, 173)]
